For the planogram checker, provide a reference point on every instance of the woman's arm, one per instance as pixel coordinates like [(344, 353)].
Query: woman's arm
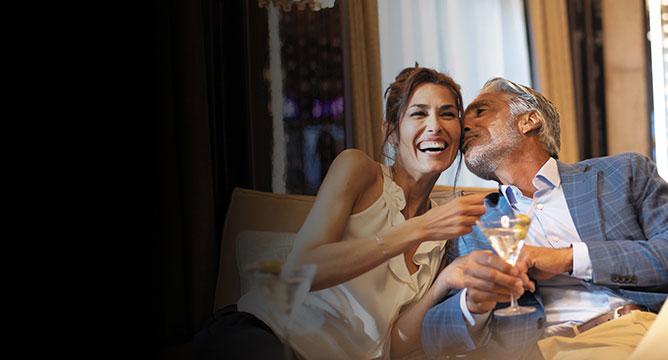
[(352, 180)]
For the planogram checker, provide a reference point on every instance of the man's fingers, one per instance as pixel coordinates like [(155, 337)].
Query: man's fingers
[(488, 258), (493, 287), (503, 283), (479, 296), (528, 284)]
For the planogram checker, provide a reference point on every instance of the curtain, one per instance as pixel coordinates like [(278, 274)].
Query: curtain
[(590, 107), (366, 93), (197, 154), (626, 69), (552, 49)]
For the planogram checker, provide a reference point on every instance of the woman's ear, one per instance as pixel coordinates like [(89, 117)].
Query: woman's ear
[(392, 139), (529, 122)]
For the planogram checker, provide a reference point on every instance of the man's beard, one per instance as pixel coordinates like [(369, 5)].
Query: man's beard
[(483, 159)]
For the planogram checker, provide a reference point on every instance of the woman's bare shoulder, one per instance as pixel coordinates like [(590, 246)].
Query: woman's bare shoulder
[(352, 170), (357, 164)]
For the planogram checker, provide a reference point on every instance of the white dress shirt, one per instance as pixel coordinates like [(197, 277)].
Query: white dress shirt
[(568, 299)]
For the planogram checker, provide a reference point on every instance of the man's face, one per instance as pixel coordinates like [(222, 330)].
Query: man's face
[(490, 134)]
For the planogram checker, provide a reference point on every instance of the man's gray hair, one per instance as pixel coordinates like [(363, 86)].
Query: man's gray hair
[(524, 99)]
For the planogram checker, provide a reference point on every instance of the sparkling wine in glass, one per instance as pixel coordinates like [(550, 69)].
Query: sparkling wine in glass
[(285, 289), (506, 235)]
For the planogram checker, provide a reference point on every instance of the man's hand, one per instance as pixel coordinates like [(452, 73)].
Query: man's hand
[(544, 263), (488, 278)]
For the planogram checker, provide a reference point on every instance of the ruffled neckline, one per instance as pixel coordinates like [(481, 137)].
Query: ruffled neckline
[(392, 191), (394, 196)]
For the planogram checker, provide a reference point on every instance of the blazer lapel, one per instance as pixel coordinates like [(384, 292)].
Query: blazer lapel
[(580, 186)]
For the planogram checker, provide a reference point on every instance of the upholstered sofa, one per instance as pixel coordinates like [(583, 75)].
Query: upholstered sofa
[(261, 225)]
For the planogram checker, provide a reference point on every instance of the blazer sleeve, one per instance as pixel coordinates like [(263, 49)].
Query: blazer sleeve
[(444, 329), (640, 261)]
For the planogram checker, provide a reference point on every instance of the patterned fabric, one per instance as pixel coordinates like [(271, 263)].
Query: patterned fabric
[(620, 208)]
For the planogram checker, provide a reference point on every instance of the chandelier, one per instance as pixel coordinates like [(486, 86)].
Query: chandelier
[(286, 5)]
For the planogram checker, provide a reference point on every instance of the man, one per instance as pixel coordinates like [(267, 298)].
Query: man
[(598, 242)]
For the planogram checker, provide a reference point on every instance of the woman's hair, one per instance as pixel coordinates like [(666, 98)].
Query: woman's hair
[(524, 99), (400, 91)]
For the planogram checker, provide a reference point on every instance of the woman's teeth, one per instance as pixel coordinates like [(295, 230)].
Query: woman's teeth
[(432, 146)]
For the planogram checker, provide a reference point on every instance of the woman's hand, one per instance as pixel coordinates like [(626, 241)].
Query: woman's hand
[(454, 218)]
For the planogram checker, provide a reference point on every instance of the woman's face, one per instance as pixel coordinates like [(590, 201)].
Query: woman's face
[(429, 131)]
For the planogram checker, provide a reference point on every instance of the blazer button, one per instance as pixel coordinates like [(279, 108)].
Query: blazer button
[(634, 279), (539, 323), (614, 278)]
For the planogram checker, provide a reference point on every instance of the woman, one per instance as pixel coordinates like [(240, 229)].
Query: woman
[(376, 237)]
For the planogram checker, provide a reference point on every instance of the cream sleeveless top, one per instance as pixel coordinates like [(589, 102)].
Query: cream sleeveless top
[(353, 320)]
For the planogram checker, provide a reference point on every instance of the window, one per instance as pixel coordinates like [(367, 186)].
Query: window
[(307, 96), (658, 36), (472, 41)]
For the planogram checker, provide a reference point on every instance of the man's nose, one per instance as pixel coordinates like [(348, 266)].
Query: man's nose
[(468, 125)]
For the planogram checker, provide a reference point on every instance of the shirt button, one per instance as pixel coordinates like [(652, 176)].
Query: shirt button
[(540, 206), (539, 323)]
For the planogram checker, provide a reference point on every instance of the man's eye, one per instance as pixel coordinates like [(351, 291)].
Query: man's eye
[(480, 111)]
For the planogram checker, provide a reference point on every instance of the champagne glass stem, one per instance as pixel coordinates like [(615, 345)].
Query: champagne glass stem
[(287, 351)]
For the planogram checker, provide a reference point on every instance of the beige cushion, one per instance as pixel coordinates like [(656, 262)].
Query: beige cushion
[(253, 246), (259, 211)]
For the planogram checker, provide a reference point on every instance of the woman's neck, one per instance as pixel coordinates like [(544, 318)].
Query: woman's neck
[(416, 191)]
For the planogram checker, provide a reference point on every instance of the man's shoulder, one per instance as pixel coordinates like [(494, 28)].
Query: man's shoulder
[(623, 158), (613, 163)]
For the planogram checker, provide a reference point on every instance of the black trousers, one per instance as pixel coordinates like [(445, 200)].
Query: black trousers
[(229, 334)]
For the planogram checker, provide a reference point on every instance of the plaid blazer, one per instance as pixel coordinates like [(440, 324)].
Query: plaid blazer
[(619, 205)]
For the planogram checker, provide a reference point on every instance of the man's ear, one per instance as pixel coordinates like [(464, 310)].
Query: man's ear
[(529, 122)]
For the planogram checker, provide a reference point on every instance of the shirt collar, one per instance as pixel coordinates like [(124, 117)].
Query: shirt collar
[(547, 177)]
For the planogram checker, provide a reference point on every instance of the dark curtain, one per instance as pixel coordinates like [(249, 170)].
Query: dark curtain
[(586, 31), (199, 140)]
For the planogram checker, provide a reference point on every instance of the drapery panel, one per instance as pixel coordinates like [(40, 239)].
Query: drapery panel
[(366, 93), (552, 50)]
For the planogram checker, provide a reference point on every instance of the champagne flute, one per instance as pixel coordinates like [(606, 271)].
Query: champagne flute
[(506, 235), (285, 288)]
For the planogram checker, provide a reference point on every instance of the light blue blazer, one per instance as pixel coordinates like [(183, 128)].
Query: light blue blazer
[(619, 205)]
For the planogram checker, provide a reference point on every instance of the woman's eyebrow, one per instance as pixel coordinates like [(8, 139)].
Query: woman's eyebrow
[(421, 106), (424, 106)]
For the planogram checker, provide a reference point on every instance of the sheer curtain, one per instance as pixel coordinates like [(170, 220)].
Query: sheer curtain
[(472, 41)]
